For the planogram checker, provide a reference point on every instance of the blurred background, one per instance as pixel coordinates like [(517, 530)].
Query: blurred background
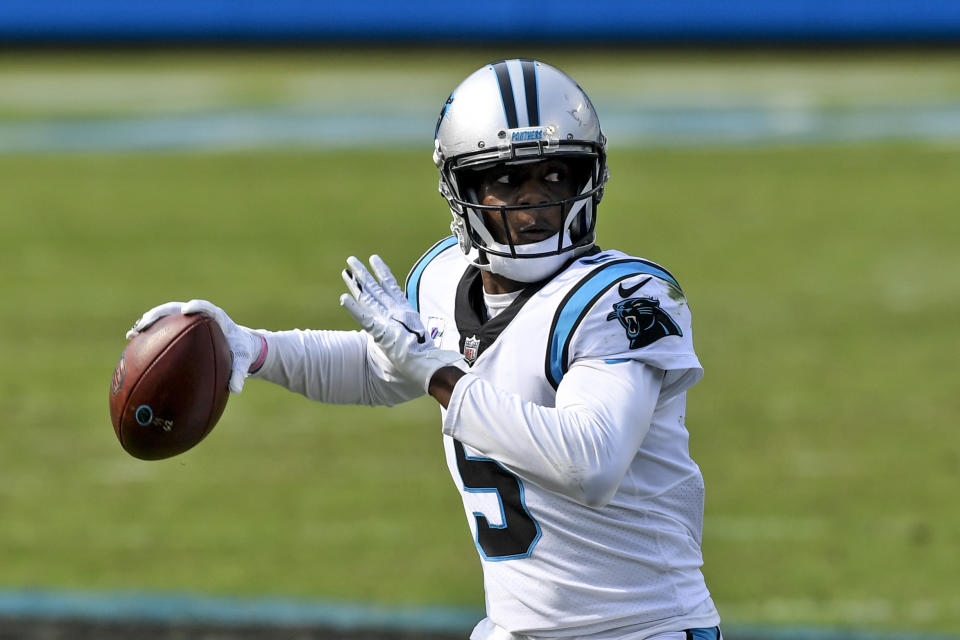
[(795, 164)]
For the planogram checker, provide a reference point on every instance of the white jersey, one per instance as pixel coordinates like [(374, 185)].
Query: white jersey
[(622, 562), (566, 440)]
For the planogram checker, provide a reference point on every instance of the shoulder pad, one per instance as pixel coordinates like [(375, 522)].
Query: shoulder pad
[(642, 298), (412, 284)]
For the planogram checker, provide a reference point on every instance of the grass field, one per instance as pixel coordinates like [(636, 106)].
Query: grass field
[(823, 281)]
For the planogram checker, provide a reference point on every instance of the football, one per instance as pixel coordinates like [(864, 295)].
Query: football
[(170, 387)]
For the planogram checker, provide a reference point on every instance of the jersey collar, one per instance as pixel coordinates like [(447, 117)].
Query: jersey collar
[(470, 311)]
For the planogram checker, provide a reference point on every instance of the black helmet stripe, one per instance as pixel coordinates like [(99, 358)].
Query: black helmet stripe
[(506, 93), (531, 93)]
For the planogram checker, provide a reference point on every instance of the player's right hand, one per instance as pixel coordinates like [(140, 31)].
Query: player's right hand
[(246, 345), (382, 310)]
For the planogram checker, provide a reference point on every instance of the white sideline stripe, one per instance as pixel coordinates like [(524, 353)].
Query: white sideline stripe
[(665, 125), (183, 607)]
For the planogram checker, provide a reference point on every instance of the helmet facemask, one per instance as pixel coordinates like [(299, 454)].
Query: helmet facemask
[(487, 232)]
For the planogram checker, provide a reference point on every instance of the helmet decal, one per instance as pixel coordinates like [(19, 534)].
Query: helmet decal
[(506, 93), (530, 93), (443, 112)]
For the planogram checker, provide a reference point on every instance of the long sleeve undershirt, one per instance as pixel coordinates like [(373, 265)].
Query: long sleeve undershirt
[(581, 448), (336, 367)]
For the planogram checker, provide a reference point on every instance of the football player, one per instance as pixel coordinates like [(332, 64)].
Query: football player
[(561, 369)]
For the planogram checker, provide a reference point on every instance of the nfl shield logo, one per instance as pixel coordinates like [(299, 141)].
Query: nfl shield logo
[(471, 348)]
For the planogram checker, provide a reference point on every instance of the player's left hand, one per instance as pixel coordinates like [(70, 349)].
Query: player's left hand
[(383, 311)]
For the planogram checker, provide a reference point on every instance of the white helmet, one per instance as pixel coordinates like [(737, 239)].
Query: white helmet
[(510, 112)]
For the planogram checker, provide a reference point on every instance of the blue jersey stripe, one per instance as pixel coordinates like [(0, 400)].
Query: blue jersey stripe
[(579, 301), (413, 280)]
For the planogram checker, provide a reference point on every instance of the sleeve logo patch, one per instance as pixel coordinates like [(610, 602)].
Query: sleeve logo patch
[(644, 321)]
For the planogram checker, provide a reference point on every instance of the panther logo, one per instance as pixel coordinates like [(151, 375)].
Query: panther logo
[(644, 321)]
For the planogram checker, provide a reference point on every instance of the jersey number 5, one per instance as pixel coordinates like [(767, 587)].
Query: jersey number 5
[(519, 532)]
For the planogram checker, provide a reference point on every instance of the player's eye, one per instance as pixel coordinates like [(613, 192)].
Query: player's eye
[(553, 176), (505, 178)]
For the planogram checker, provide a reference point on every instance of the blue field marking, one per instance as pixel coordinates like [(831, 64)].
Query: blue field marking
[(173, 608), (758, 632), (280, 127), (214, 130), (195, 608)]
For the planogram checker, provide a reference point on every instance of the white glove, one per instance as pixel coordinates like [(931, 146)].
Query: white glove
[(384, 312), (245, 344)]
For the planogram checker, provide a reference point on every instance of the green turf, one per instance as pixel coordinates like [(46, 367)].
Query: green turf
[(823, 281), (823, 285)]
